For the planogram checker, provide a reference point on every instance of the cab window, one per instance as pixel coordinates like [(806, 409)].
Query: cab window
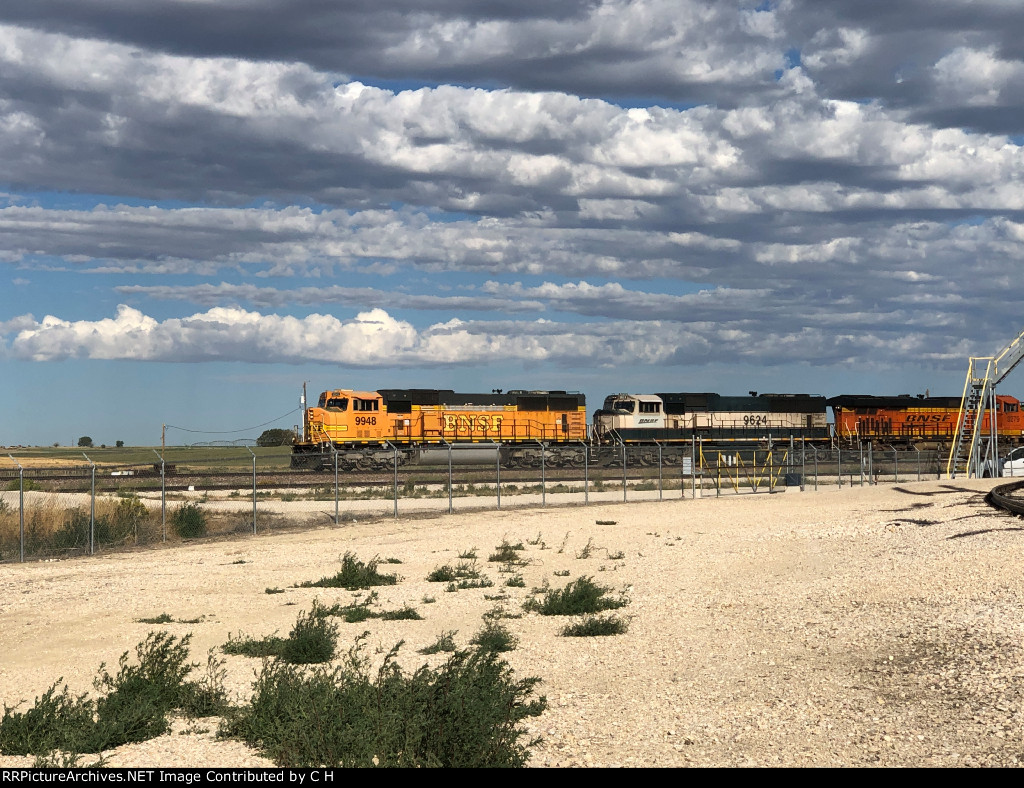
[(364, 404), (337, 403), (650, 407), (624, 404)]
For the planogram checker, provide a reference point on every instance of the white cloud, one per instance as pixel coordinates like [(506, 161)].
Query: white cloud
[(376, 339), (975, 78)]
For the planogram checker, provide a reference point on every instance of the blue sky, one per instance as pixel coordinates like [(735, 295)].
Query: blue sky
[(206, 203)]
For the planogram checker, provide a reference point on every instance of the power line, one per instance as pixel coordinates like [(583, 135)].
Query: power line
[(232, 432)]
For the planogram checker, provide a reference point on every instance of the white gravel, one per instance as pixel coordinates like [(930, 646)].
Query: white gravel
[(872, 625)]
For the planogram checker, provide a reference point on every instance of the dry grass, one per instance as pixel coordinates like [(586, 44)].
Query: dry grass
[(55, 529)]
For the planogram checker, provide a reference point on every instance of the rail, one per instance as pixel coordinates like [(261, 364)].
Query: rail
[(1002, 497)]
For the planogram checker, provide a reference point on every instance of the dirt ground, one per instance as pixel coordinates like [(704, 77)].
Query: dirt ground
[(865, 626)]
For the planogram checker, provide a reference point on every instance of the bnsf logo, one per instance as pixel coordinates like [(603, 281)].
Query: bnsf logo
[(928, 418)]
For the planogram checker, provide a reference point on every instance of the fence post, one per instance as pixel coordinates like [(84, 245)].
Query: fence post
[(918, 463), (695, 460), (335, 450), (803, 465), (543, 476), (895, 466), (497, 470), (586, 474), (163, 498), (389, 443), (871, 464), (253, 489), (861, 448), (21, 507), (660, 497), (92, 507), (446, 443), (839, 465), (815, 449), (622, 443)]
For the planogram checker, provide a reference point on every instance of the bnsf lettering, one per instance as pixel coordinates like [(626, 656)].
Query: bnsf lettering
[(482, 422), (929, 418)]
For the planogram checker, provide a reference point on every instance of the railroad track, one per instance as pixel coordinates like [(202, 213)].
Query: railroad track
[(1006, 497)]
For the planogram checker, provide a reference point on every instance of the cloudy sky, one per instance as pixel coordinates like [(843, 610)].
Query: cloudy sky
[(205, 203)]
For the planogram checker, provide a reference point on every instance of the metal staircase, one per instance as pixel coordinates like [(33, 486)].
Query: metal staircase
[(976, 452)]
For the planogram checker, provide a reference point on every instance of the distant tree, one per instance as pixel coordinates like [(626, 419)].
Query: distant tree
[(119, 444), (276, 437), (85, 442)]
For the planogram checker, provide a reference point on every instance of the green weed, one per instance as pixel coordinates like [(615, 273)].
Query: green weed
[(189, 521), (596, 626), (134, 705), (463, 714), (494, 637), (354, 575), (577, 598), (445, 642)]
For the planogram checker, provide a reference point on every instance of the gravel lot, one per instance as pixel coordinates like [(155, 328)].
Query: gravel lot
[(865, 626)]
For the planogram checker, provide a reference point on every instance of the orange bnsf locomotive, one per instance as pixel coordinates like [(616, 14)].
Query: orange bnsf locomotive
[(920, 420), (366, 430)]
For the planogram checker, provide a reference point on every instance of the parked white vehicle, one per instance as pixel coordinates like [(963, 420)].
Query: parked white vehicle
[(1013, 463)]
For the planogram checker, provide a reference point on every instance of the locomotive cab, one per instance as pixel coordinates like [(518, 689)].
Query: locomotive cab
[(344, 415), (629, 412)]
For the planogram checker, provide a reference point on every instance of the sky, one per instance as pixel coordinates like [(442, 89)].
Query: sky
[(205, 204)]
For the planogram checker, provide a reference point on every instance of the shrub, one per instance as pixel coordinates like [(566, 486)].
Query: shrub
[(445, 642), (163, 618), (516, 581), (596, 626), (441, 574), (354, 575), (462, 571), (56, 720), (312, 639), (494, 637), (126, 518), (405, 613), (507, 553), (189, 521), (499, 611), (74, 531), (244, 646), (464, 714), (134, 708), (577, 598), (479, 582)]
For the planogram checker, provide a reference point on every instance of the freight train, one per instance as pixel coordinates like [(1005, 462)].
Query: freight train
[(372, 430), (921, 420), (367, 430)]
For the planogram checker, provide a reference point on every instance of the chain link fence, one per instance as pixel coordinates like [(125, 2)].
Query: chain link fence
[(63, 508)]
